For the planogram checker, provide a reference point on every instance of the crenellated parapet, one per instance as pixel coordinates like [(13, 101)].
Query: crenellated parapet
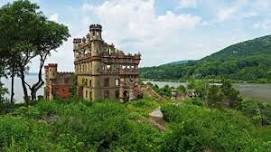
[(77, 40), (95, 27)]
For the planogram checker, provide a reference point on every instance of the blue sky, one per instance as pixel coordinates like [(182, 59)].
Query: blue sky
[(161, 30)]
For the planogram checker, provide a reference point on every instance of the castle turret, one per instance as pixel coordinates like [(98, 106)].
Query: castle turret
[(52, 71), (76, 43), (95, 39), (95, 32)]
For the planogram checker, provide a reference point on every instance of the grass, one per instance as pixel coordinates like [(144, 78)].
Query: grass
[(264, 133)]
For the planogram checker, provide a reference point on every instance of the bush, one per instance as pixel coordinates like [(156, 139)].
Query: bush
[(81, 126), (258, 112), (24, 134), (111, 126), (198, 129)]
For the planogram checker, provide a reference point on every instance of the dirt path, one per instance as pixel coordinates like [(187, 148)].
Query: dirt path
[(156, 118)]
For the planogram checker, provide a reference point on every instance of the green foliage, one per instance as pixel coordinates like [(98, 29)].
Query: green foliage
[(200, 129), (74, 86), (199, 87), (100, 126), (25, 34), (258, 112), (215, 94), (141, 107), (264, 133), (181, 89), (110, 126), (246, 61), (164, 91), (24, 135)]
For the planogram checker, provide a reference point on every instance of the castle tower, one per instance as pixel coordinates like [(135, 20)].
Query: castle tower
[(58, 84), (76, 44), (52, 71), (50, 75), (95, 32), (96, 48)]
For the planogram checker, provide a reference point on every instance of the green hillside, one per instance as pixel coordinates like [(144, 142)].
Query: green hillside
[(246, 61), (177, 62)]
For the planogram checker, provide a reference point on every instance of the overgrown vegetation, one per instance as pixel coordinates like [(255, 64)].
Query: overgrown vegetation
[(77, 125), (197, 128)]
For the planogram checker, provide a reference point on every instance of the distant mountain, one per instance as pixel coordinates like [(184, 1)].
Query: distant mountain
[(177, 62), (248, 61)]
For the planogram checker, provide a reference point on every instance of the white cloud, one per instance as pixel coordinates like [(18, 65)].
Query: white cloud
[(264, 25), (226, 13), (231, 11), (134, 26), (53, 17), (188, 3)]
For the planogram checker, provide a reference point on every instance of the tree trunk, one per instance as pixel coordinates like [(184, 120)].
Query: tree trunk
[(12, 86), (12, 89), (35, 87), (33, 95), (22, 76)]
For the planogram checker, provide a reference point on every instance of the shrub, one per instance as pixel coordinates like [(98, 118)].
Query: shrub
[(26, 134), (198, 129)]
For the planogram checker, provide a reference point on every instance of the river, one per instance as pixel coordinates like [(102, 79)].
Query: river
[(260, 92), (18, 87), (255, 91)]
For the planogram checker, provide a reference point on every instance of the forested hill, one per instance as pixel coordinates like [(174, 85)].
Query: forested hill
[(247, 61)]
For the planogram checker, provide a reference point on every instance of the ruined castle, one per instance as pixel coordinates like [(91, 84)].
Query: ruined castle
[(101, 71), (57, 84)]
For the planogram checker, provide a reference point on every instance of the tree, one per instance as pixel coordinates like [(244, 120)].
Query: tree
[(215, 96), (3, 90), (199, 87), (181, 89), (165, 91), (50, 36), (232, 96), (26, 34)]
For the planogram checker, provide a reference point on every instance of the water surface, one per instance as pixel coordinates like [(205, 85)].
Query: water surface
[(254, 91), (18, 90)]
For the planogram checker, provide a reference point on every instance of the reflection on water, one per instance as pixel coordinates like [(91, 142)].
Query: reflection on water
[(254, 91), (18, 87)]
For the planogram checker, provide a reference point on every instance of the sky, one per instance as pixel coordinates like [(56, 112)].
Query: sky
[(161, 30)]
